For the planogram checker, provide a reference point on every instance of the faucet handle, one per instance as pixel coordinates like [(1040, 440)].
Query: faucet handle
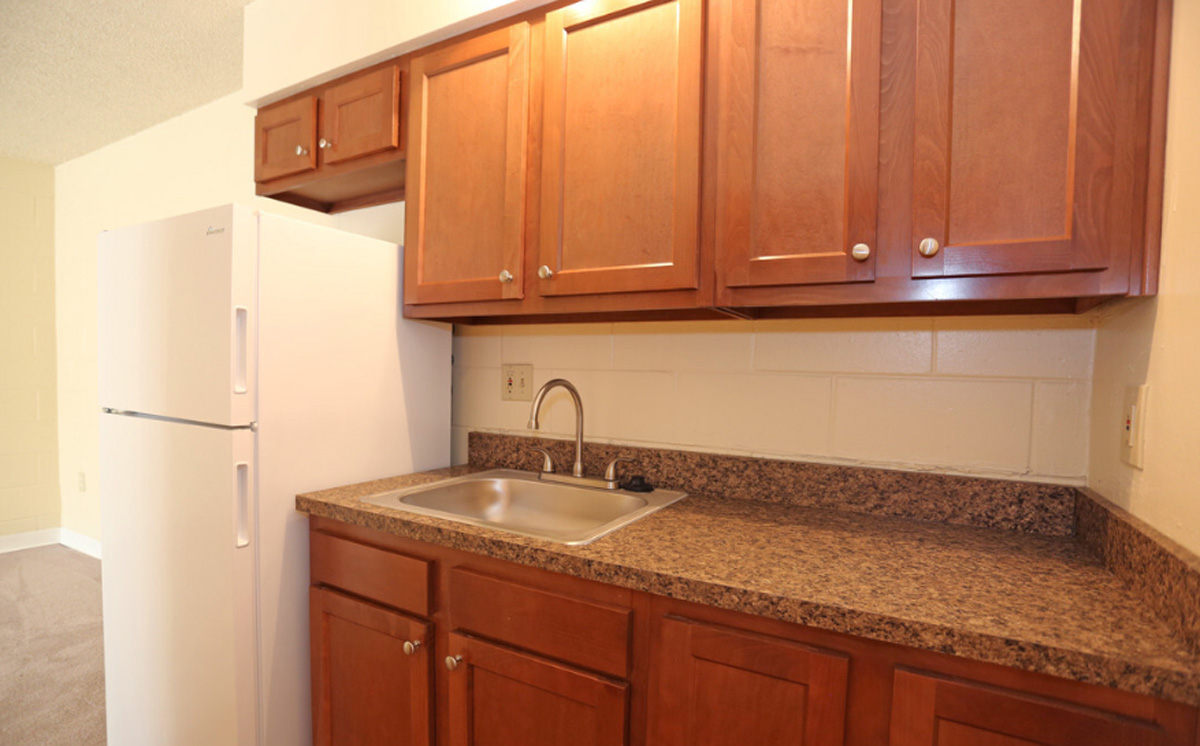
[(547, 462), (610, 472)]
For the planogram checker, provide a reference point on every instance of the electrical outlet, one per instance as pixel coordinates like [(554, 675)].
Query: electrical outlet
[(1133, 426), (515, 382)]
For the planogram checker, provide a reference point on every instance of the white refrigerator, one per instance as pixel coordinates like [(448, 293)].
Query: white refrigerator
[(243, 358)]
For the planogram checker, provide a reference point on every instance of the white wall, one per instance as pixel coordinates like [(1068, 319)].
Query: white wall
[(28, 461), (1002, 396), (1158, 342)]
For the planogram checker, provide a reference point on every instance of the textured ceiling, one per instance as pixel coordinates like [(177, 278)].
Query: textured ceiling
[(76, 75)]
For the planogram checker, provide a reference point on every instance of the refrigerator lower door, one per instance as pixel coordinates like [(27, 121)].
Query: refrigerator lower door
[(177, 521)]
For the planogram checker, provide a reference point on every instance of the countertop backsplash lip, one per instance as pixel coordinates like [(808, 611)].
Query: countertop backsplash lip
[(1028, 507), (1042, 603), (1165, 574)]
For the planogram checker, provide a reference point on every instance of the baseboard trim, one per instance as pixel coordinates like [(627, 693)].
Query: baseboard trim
[(79, 542), (29, 540)]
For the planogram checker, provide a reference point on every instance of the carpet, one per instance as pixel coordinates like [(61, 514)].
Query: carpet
[(51, 649)]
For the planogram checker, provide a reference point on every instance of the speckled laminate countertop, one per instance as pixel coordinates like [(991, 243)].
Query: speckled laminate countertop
[(1034, 602)]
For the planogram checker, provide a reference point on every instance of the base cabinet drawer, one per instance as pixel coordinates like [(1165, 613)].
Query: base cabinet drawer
[(363, 570), (930, 710)]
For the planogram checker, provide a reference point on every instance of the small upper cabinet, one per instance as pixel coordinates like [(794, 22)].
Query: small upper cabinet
[(361, 116), (621, 147), (1018, 134), (285, 139), (798, 134), (467, 184), (338, 146)]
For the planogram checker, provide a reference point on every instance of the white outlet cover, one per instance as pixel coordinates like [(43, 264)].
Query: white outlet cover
[(516, 382), (1133, 426)]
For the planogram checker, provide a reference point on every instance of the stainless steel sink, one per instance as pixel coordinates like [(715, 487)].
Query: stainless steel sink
[(519, 502)]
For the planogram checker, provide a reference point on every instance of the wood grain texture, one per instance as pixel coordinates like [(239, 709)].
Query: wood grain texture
[(362, 115), (799, 133), (278, 130), (466, 184), (934, 711), (578, 631), (393, 579), (621, 150), (366, 690), (716, 686), (500, 696)]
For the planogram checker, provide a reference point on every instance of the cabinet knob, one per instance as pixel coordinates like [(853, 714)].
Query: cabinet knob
[(929, 247), (324, 144), (301, 150), (410, 646), (545, 272), (506, 276), (452, 662), (861, 252)]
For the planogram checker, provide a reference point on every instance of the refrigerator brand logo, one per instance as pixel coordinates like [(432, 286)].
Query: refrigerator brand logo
[(213, 231)]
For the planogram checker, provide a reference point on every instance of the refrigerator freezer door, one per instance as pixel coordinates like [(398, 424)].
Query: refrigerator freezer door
[(177, 317), (177, 516)]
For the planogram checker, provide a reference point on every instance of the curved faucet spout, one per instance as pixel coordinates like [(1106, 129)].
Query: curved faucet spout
[(577, 470)]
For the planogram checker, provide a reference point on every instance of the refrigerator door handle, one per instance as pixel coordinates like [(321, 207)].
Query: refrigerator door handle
[(241, 506), (240, 351)]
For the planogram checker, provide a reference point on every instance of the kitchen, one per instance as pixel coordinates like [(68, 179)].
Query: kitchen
[(1035, 382)]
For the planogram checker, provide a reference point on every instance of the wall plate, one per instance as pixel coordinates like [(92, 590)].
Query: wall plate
[(1133, 426), (516, 382)]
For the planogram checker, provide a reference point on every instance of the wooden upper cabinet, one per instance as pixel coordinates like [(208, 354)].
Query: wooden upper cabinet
[(361, 116), (466, 182), (500, 696), (798, 141), (929, 710), (367, 689), (621, 147), (1016, 132), (285, 139), (723, 687)]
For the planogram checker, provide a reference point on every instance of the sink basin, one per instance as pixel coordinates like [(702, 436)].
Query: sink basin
[(517, 501)]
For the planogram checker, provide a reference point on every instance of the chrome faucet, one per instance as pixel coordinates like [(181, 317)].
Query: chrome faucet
[(577, 470)]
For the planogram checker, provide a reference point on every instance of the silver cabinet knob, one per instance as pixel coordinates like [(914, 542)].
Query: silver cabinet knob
[(324, 144), (301, 150), (929, 247), (410, 646), (452, 662), (506, 276), (545, 272), (861, 252)]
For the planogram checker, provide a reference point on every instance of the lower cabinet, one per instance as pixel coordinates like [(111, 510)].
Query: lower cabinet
[(371, 673), (929, 710), (416, 645), (500, 696), (715, 686)]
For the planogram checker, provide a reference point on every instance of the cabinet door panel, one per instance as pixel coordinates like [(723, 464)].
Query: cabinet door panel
[(1015, 126), (366, 690), (362, 116), (722, 687), (469, 118), (285, 139), (799, 140), (933, 711), (621, 159), (504, 697)]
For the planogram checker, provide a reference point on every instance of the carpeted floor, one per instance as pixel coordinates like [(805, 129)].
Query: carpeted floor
[(51, 649)]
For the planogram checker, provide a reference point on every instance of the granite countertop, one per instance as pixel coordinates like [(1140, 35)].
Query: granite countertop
[(1030, 601)]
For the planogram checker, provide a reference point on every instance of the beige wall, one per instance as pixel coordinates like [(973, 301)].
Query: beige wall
[(1158, 342), (28, 464), (1003, 396)]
